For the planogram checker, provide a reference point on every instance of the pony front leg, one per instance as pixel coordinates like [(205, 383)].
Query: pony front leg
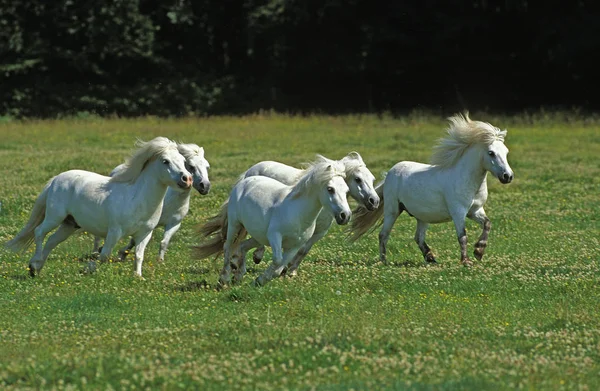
[(112, 238), (169, 232), (324, 221), (480, 217), (142, 242), (420, 239), (258, 254), (277, 264), (461, 233), (125, 250)]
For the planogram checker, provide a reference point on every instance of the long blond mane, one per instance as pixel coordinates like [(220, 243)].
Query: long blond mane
[(462, 134), (317, 174), (145, 152)]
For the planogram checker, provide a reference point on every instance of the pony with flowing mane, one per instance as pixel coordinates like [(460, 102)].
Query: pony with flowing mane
[(358, 178), (275, 214), (176, 204), (452, 188), (127, 204)]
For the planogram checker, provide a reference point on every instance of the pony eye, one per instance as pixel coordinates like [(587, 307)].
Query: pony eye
[(358, 180), (165, 161), (331, 190), (491, 153), (190, 168)]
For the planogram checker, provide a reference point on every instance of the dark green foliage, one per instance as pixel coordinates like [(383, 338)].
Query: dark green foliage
[(179, 57)]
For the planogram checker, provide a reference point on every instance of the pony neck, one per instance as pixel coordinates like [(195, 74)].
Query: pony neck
[(470, 166), (148, 189), (306, 205)]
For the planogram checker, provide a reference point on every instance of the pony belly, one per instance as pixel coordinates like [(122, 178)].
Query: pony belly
[(430, 213)]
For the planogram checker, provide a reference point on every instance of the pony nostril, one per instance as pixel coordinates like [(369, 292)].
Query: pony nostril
[(506, 176), (372, 200), (343, 216)]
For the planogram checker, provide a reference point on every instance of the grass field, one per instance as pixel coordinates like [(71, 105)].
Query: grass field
[(525, 317)]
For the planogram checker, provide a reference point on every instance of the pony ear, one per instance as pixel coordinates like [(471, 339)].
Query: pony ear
[(355, 155)]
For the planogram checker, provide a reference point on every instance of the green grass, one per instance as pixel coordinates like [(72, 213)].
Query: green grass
[(525, 317)]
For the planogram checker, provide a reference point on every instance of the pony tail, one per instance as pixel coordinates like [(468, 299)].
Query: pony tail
[(25, 238), (363, 220), (215, 229)]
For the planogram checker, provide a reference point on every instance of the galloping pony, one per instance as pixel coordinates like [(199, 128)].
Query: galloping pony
[(176, 204), (127, 204), (278, 215), (358, 178), (453, 187)]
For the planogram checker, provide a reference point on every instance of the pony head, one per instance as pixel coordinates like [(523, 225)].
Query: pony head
[(197, 165), (465, 133), (159, 154), (328, 177), (360, 181)]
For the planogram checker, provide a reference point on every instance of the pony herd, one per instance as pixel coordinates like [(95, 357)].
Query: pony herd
[(271, 204)]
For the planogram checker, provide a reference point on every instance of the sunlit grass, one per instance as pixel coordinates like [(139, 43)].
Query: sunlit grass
[(525, 317)]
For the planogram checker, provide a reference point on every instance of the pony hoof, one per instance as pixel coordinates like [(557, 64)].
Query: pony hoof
[(478, 253), (467, 262), (430, 259), (256, 283), (256, 258), (293, 273), (31, 271)]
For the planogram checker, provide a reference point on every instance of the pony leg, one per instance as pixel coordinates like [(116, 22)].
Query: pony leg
[(461, 233), (277, 265), (258, 254), (420, 239), (96, 248), (480, 217), (324, 221), (240, 269), (37, 260), (169, 232), (62, 233), (139, 252), (391, 213), (110, 242), (125, 250), (232, 229)]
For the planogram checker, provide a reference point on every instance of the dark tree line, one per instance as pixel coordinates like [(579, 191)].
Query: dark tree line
[(175, 57)]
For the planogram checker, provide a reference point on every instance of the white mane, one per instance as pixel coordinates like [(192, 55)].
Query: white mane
[(463, 133), (147, 151), (190, 151), (353, 162), (318, 173)]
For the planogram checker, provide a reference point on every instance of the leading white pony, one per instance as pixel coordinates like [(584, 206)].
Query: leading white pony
[(277, 215), (453, 188), (176, 204), (358, 178), (128, 204)]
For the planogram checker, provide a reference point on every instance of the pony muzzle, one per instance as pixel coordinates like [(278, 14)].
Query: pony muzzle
[(372, 203), (203, 187), (343, 218), (185, 182), (506, 177)]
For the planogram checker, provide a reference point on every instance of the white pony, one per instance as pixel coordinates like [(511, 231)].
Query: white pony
[(277, 215), (128, 204), (358, 178), (452, 188), (177, 201)]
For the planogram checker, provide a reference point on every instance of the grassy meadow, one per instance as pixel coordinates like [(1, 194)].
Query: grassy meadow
[(525, 317)]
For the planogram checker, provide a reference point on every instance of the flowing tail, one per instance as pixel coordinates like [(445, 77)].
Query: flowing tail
[(25, 238), (363, 221), (215, 229)]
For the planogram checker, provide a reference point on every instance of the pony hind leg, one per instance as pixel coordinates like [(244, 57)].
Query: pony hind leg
[(61, 234), (391, 213), (37, 260), (126, 250), (234, 228), (420, 239), (480, 217), (240, 266)]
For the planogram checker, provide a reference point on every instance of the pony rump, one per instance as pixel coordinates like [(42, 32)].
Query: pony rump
[(147, 150), (463, 133), (317, 173), (215, 229)]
